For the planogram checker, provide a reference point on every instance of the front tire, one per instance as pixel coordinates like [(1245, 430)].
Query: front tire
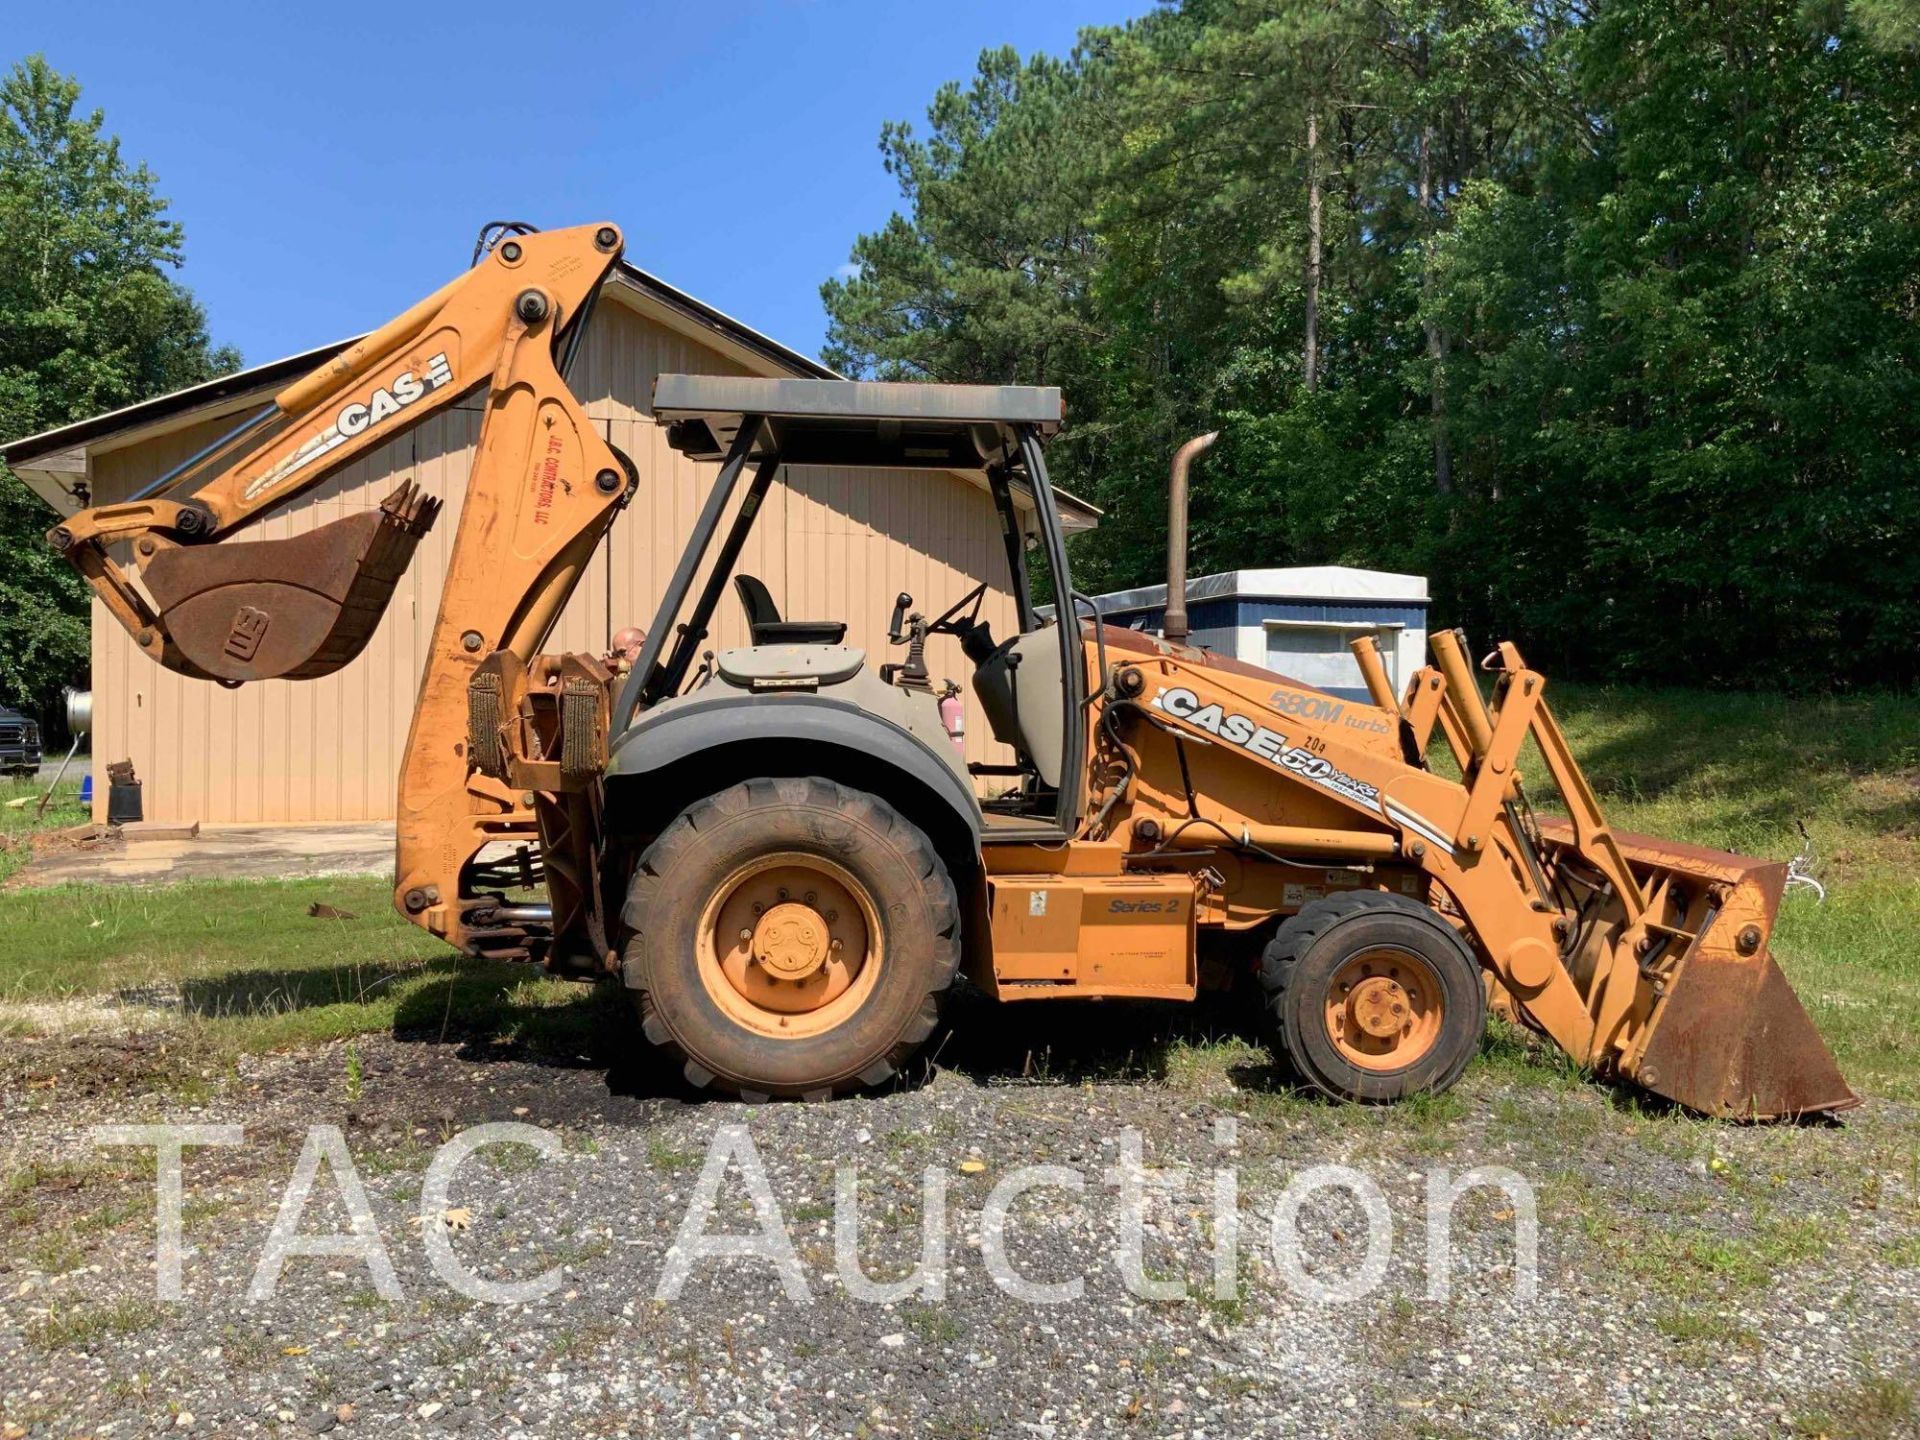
[(1375, 997), (790, 937)]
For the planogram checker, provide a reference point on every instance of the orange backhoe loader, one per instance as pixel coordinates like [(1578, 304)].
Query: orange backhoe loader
[(779, 851)]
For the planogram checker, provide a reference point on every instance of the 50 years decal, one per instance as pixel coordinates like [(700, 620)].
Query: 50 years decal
[(1257, 739)]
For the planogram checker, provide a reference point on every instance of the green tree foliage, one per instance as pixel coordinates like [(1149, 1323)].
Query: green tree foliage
[(90, 320), (1599, 312), (991, 275)]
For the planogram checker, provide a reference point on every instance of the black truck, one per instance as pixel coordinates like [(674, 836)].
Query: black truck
[(19, 743)]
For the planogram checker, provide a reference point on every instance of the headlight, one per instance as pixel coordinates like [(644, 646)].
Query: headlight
[(33, 734)]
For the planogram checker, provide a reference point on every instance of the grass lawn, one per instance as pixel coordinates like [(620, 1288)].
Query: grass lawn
[(248, 966), (1741, 773), (18, 823)]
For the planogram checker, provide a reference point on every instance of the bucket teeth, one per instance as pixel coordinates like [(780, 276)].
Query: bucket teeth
[(411, 509)]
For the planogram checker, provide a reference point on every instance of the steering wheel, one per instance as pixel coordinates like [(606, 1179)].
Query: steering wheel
[(975, 635), (949, 622)]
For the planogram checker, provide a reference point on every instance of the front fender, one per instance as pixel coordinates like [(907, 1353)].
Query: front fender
[(671, 735)]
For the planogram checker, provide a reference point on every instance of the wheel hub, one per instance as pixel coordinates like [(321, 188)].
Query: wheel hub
[(1378, 1006), (1384, 1009), (789, 945), (791, 941)]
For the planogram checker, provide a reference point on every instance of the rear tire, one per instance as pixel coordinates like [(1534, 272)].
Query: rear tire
[(791, 937), (1375, 997)]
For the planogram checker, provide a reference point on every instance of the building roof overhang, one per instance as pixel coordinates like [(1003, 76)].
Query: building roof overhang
[(54, 463)]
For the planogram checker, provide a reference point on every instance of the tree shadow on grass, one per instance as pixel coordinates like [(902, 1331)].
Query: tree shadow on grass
[(1768, 760), (490, 1012), (487, 1011), (1076, 1042)]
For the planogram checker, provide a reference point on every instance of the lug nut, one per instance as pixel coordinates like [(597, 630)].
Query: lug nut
[(745, 935)]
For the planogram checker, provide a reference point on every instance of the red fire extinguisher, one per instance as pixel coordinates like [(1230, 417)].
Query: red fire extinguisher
[(953, 716)]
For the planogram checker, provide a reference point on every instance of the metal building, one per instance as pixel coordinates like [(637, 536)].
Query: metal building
[(1296, 622), (840, 544)]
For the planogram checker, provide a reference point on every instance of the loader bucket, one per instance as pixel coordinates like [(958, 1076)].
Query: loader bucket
[(1726, 1035), (1731, 1039), (293, 609)]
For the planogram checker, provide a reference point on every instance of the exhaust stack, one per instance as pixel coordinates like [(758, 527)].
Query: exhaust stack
[(1174, 626)]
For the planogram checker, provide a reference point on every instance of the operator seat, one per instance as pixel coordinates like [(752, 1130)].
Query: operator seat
[(1019, 685), (763, 618)]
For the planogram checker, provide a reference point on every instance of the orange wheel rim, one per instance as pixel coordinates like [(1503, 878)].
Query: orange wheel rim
[(1384, 1009), (790, 945)]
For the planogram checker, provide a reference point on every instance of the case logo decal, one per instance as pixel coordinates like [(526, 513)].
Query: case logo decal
[(355, 419), (1269, 745)]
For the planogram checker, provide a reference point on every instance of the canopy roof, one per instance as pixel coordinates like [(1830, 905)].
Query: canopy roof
[(855, 422)]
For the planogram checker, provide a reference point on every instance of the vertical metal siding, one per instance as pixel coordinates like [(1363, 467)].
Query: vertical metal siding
[(832, 543)]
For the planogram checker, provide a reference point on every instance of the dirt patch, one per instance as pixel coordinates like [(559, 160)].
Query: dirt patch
[(89, 1015), (227, 852)]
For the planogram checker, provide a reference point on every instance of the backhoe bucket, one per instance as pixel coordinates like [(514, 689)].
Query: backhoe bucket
[(1726, 1035), (291, 609)]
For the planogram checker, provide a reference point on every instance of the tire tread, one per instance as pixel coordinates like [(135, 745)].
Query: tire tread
[(1300, 932), (858, 808)]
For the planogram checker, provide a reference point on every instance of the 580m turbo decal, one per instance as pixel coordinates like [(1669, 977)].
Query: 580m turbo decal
[(1257, 739)]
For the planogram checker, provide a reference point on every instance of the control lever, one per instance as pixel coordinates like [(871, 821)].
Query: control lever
[(912, 673)]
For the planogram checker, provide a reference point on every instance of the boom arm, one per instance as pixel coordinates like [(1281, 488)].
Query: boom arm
[(543, 489)]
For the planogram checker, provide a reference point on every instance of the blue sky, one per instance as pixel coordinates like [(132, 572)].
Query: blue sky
[(332, 163)]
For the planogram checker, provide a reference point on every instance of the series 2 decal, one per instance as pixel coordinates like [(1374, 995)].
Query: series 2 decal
[(356, 418)]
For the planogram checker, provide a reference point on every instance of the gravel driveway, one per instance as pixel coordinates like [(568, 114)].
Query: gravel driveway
[(1692, 1278)]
